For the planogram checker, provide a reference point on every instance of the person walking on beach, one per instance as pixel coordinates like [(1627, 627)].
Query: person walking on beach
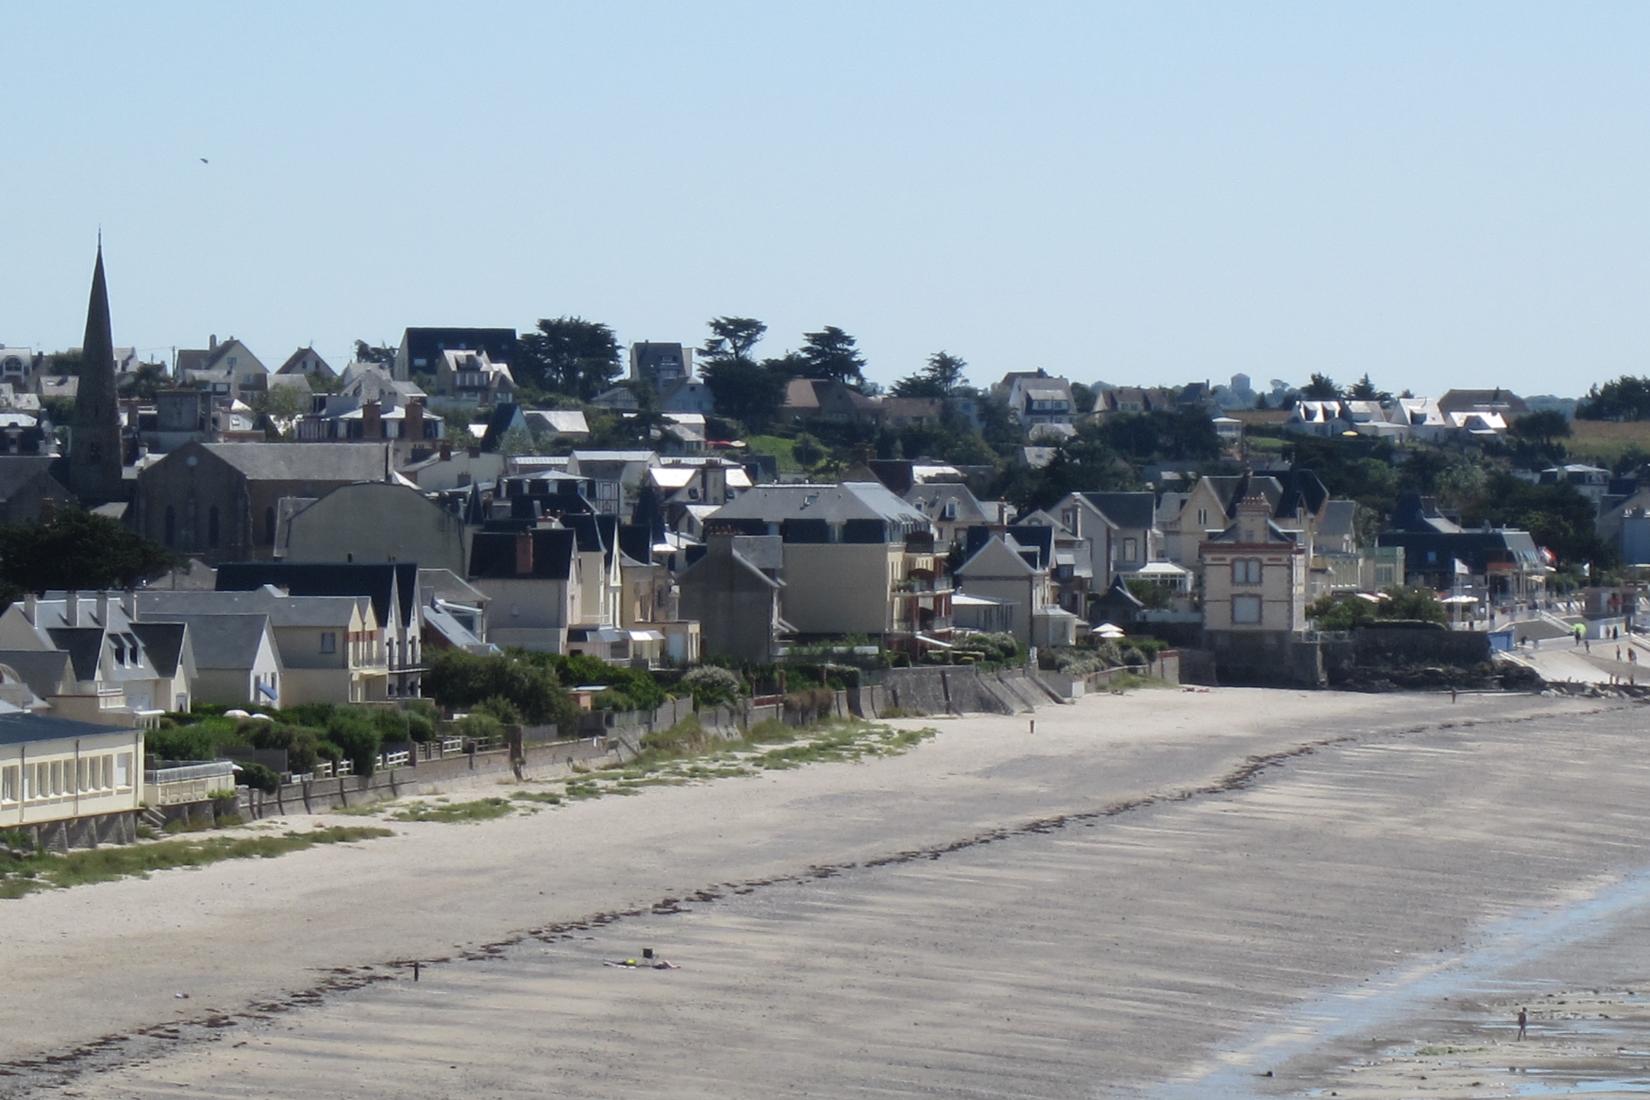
[(1523, 1021)]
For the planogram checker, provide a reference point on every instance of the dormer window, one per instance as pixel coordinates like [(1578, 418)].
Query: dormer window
[(119, 648)]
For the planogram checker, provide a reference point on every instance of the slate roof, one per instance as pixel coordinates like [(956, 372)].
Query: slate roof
[(163, 642), (332, 462), (375, 580), (493, 553), (17, 471), (83, 644), (1126, 509), (830, 503), (221, 640), (293, 361), (165, 605), (22, 728), (1338, 519), (43, 670)]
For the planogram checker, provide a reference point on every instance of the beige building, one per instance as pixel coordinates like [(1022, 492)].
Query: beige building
[(856, 559), (532, 582), (69, 783), (1254, 575)]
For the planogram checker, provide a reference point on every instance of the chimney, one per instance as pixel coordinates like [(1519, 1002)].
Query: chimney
[(412, 428), (212, 342), (71, 607), (372, 421), (128, 604), (446, 451), (31, 606), (524, 555), (102, 608)]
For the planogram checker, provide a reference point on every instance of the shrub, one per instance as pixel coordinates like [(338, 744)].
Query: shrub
[(711, 686), (392, 724), (478, 726), (196, 742), (462, 681), (420, 726), (500, 708), (302, 744), (259, 778), (357, 736)]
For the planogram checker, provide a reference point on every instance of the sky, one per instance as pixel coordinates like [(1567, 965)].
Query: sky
[(1435, 194)]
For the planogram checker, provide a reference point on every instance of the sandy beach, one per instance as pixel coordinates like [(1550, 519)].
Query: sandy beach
[(1165, 893)]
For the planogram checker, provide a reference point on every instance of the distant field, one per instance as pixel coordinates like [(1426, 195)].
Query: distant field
[(782, 449), (1603, 441)]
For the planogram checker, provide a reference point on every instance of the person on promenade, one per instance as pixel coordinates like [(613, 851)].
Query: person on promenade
[(1523, 1021)]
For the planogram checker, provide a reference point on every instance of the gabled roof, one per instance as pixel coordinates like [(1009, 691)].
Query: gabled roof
[(83, 644), (167, 605), (375, 580), (830, 503), (996, 558), (163, 642), (1339, 519), (1126, 509), (324, 462), (228, 641), (294, 363), (45, 671), (18, 471)]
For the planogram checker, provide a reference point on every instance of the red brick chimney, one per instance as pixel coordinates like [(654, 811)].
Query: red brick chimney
[(412, 427), (372, 421), (524, 554)]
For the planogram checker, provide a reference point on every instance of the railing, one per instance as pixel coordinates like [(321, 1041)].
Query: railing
[(188, 783)]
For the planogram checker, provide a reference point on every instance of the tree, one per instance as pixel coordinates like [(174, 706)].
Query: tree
[(568, 355), (77, 550), (832, 353), (942, 377), (145, 382), (382, 354), (1365, 390), (750, 393), (731, 338), (1083, 398), (1535, 437), (1625, 398), (1321, 387)]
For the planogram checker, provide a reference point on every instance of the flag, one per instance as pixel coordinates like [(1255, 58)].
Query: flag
[(1461, 569)]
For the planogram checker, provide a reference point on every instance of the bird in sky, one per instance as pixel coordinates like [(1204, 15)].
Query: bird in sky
[(205, 161)]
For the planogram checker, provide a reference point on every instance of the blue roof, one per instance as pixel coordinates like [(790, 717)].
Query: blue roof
[(23, 728)]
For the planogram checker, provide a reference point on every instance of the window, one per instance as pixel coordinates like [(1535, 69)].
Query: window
[(1246, 571), (119, 648), (1246, 609), (1203, 517), (54, 781), (8, 785), (123, 770), (329, 642), (1131, 549)]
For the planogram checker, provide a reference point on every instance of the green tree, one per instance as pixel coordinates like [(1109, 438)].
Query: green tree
[(77, 550), (1365, 390), (750, 393), (145, 382), (1624, 398), (1320, 387), (459, 681), (382, 354), (832, 353), (731, 338), (568, 355), (942, 377), (1536, 436), (1083, 397)]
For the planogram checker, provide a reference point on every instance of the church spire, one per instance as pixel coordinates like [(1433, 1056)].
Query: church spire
[(94, 445)]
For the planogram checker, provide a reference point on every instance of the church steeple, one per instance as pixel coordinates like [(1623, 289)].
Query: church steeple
[(94, 442)]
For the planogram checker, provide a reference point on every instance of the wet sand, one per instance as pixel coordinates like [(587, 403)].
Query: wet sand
[(1161, 894)]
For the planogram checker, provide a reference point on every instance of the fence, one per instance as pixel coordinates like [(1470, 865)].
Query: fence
[(182, 784)]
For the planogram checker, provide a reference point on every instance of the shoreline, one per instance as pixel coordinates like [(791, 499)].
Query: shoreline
[(1174, 735)]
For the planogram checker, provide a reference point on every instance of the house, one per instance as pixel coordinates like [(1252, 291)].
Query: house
[(374, 521), (617, 477), (237, 659), (473, 378), (689, 395), (1494, 404), (867, 558), (226, 369), (220, 500), (532, 580), (736, 603), (1134, 535), (345, 418), (952, 508), (1017, 577), (568, 424), (827, 400), (1038, 398), (67, 783), (327, 645), (422, 349), (308, 363), (373, 382), (1254, 575), (660, 365), (30, 490), (1591, 482), (391, 589), (450, 469), (1503, 563), (912, 412), (1124, 399), (17, 366), (90, 656)]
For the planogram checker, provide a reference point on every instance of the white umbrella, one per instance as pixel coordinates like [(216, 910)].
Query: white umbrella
[(1459, 599), (1108, 628)]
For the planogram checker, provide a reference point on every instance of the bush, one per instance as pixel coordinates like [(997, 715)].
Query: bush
[(197, 742), (302, 744), (259, 778), (462, 681), (357, 736), (420, 726), (392, 724), (711, 686), (478, 726), (500, 708)]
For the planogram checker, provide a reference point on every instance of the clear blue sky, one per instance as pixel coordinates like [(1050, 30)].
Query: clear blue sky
[(1439, 194)]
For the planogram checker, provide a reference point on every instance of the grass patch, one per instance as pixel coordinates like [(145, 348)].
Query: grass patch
[(20, 875), (782, 449), (548, 798), (359, 811), (1604, 441), (482, 809)]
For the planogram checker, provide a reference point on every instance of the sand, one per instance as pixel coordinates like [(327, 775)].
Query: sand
[(1166, 893)]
